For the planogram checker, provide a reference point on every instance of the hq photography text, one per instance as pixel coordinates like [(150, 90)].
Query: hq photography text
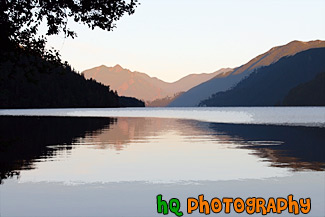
[(249, 205)]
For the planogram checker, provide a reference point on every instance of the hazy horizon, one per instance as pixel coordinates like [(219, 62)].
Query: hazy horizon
[(194, 36)]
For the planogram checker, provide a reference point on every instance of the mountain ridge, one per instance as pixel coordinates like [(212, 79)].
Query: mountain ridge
[(269, 85), (223, 83), (141, 85), (276, 53)]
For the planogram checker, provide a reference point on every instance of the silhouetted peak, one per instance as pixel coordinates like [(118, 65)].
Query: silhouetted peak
[(117, 67)]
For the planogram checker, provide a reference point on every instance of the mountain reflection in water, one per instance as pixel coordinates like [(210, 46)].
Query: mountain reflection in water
[(26, 141), (284, 146)]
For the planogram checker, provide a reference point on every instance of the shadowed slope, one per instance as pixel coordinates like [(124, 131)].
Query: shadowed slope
[(267, 86), (309, 93), (224, 83)]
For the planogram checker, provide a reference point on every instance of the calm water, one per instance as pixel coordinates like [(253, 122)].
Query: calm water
[(113, 162)]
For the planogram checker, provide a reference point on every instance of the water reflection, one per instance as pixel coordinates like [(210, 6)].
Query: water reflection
[(26, 140), (296, 147), (284, 146), (124, 132), (153, 149)]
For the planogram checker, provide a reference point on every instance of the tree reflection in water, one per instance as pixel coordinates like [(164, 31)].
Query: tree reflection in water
[(25, 140)]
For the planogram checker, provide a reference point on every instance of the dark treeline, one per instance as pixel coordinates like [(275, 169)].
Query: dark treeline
[(309, 93), (26, 139), (130, 102), (32, 76), (29, 81), (163, 101)]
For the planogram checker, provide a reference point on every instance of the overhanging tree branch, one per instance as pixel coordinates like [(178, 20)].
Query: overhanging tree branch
[(20, 19)]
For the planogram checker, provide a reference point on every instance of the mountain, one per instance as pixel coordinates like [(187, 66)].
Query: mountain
[(192, 80), (308, 93), (226, 81), (142, 86), (269, 85), (127, 83), (29, 81)]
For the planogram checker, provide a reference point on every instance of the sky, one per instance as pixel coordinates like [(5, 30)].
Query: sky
[(170, 39)]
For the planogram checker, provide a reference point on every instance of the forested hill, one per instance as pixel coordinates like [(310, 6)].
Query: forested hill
[(309, 93), (29, 81), (270, 85)]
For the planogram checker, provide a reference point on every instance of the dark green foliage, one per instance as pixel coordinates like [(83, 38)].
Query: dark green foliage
[(309, 93), (267, 86), (130, 102)]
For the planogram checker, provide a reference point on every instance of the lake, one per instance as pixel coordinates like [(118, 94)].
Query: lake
[(114, 162)]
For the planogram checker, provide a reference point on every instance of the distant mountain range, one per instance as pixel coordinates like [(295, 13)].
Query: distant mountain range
[(281, 76), (227, 81), (270, 85), (142, 86)]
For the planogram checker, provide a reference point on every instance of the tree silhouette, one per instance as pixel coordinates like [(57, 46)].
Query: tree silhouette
[(34, 77), (20, 20)]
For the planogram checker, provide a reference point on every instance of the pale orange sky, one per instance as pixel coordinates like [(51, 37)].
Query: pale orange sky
[(169, 39)]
